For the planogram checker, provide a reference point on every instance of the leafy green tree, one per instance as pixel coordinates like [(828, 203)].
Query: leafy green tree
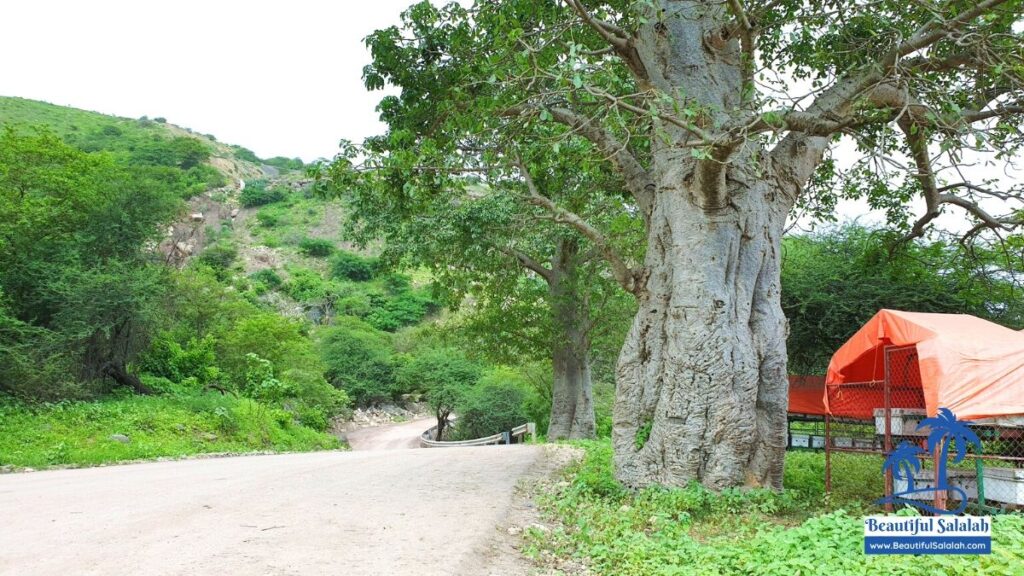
[(359, 360), (718, 119), (74, 231), (834, 282), (446, 375), (490, 408), (494, 242)]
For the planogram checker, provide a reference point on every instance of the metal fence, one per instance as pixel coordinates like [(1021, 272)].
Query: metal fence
[(881, 428)]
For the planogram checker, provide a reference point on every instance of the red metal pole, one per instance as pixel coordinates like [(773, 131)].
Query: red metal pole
[(828, 453), (887, 446)]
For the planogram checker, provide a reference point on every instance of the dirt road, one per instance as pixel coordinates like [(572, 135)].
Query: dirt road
[(392, 512), (391, 437)]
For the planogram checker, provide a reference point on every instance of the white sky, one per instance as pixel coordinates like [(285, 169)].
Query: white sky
[(282, 78)]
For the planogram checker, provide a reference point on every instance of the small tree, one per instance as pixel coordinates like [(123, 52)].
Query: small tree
[(446, 376)]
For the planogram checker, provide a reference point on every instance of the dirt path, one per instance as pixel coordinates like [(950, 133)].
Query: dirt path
[(390, 437), (399, 512)]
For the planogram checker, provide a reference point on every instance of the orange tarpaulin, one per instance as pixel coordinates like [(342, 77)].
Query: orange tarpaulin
[(805, 395), (971, 366)]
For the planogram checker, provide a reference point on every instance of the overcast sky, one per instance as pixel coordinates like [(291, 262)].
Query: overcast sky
[(282, 78)]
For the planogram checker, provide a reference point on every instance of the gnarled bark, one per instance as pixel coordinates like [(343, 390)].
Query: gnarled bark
[(702, 387)]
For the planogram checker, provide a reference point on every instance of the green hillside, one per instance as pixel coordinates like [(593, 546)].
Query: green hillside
[(165, 294), (192, 162)]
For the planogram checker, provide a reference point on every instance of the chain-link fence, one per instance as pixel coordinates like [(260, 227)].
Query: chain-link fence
[(942, 464)]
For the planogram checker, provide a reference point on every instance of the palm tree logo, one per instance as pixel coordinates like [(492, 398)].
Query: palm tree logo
[(905, 460)]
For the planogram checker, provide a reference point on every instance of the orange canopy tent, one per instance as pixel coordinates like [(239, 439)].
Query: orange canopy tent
[(971, 366), (805, 395)]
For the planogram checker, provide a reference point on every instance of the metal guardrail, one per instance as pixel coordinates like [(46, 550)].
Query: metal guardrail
[(500, 438)]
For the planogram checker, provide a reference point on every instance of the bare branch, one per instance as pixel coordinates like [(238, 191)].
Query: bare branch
[(529, 263)]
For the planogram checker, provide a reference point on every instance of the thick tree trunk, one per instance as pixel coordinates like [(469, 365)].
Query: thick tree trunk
[(702, 387), (572, 402)]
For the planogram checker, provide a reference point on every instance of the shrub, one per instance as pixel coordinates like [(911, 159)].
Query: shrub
[(269, 216), (258, 193), (219, 257), (346, 265), (404, 309), (358, 360), (490, 408), (316, 247), (168, 359), (268, 278), (260, 383), (274, 338), (306, 285)]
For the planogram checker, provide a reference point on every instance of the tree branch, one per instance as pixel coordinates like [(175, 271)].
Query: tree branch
[(638, 179), (628, 278), (529, 263), (619, 39)]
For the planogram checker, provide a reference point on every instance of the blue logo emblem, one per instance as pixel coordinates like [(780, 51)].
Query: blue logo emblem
[(905, 461)]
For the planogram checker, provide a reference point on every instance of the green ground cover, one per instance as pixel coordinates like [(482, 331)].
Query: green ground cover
[(693, 531)]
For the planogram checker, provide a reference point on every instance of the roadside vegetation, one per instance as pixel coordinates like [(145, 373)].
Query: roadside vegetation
[(797, 532)]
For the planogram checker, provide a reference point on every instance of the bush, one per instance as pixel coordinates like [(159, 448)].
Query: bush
[(346, 265), (490, 408), (401, 310), (269, 217), (168, 359), (268, 278), (279, 340), (306, 285), (316, 247), (219, 257), (258, 193), (358, 360)]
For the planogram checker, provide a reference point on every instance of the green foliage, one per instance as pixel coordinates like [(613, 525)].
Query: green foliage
[(153, 152), (496, 404), (260, 193), (402, 309), (219, 257), (285, 163), (245, 154), (733, 532), (316, 247), (78, 283), (446, 375), (833, 282), (278, 340), (168, 359), (79, 433), (260, 382), (349, 266), (359, 360), (267, 277)]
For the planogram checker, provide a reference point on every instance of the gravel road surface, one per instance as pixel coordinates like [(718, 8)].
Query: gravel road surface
[(385, 512)]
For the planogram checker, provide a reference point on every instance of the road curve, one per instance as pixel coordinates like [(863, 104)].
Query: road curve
[(403, 512), (390, 437)]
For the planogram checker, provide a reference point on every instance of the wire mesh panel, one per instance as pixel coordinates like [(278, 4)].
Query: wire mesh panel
[(939, 463)]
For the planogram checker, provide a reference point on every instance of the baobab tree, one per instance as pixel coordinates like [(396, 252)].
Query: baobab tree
[(719, 117)]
